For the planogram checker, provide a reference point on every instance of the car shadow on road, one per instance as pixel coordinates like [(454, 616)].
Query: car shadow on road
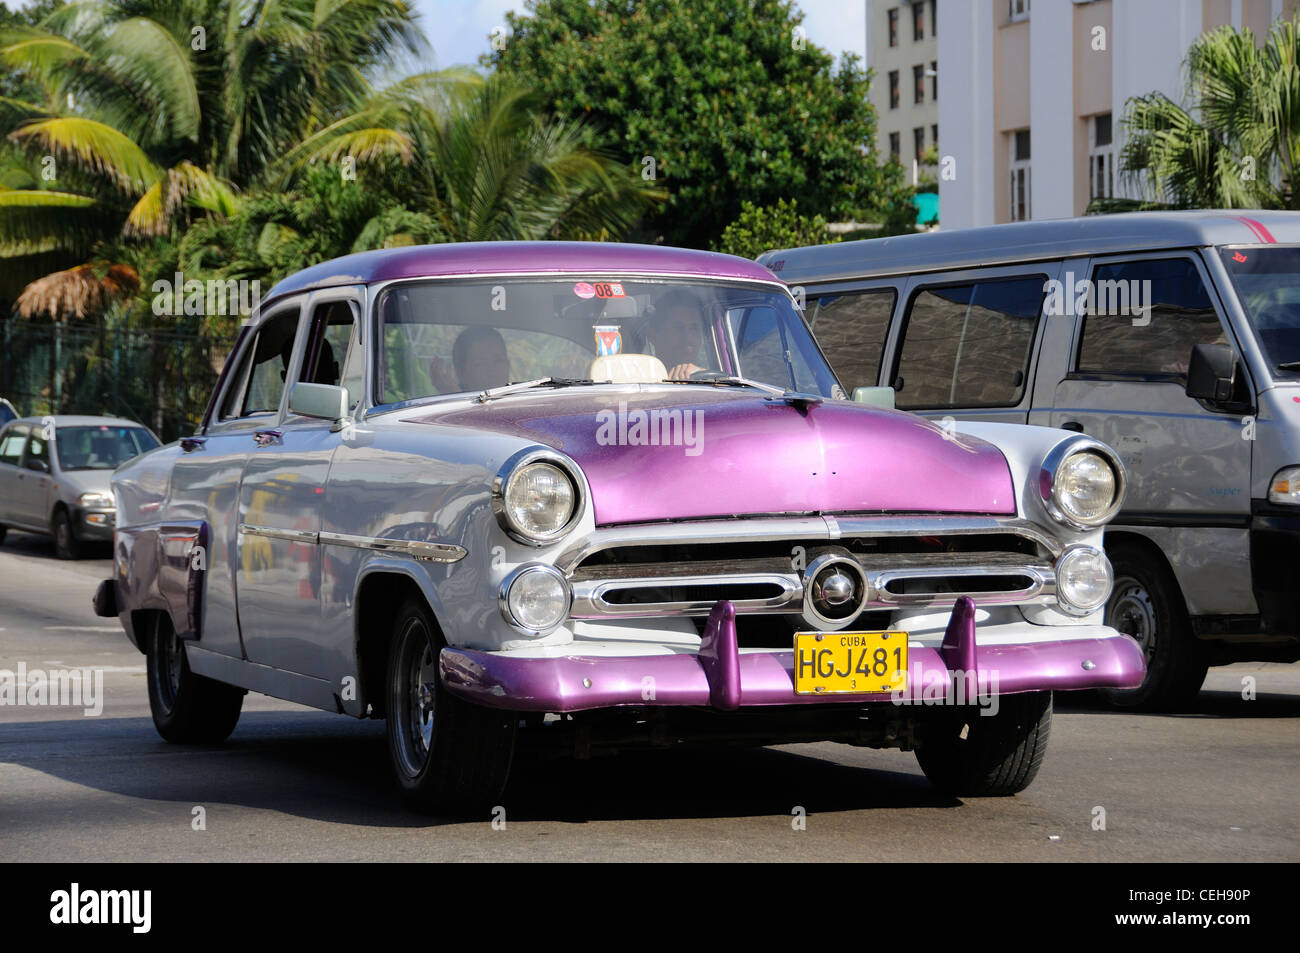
[(1209, 703), (35, 546), (336, 770)]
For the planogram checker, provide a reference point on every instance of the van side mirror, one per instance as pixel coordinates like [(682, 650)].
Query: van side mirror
[(875, 396), (325, 401), (1211, 373)]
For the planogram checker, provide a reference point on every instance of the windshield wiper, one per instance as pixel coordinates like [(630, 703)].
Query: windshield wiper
[(505, 389), (728, 381), (1289, 366)]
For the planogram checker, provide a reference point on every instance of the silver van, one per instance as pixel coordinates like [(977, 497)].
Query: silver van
[(1174, 337)]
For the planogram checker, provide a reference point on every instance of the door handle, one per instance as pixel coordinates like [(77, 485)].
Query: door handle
[(265, 438), (190, 444), (1072, 425)]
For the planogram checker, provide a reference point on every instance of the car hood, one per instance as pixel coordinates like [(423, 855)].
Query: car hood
[(686, 453), (77, 482)]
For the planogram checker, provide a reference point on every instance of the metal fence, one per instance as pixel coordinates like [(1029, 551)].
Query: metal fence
[(159, 377)]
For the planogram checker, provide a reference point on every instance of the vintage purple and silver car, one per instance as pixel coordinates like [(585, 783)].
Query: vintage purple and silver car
[(596, 495)]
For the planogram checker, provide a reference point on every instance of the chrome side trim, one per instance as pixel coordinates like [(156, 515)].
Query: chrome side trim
[(795, 528), (435, 552), (272, 532)]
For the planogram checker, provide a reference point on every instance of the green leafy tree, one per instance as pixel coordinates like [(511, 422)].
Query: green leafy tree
[(757, 230), (722, 101), (1238, 144)]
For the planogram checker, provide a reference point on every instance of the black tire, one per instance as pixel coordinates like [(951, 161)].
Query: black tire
[(1000, 754), (1147, 604), (449, 756), (66, 544), (4, 531), (187, 708)]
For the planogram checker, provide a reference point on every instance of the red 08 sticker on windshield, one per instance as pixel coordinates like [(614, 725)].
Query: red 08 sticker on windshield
[(599, 289)]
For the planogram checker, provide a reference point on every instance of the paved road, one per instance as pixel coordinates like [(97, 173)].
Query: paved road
[(1217, 783)]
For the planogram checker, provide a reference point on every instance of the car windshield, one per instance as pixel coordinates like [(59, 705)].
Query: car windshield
[(100, 447), (444, 337), (1267, 281)]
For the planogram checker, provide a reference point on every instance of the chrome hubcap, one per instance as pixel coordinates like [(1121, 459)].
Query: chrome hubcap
[(417, 690), (1131, 611)]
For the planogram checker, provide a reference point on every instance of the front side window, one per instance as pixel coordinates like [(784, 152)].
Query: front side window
[(1144, 319), (257, 385), (1267, 282), (334, 353), (968, 345), (440, 338), (38, 449), (100, 447), (851, 328)]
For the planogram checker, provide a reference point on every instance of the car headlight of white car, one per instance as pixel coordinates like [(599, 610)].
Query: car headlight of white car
[(536, 497), (1285, 486), (1082, 484), (96, 500)]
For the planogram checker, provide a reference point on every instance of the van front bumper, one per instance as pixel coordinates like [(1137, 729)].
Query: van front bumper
[(723, 678)]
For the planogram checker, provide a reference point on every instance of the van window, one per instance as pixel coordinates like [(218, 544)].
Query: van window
[(1121, 338), (969, 345), (851, 329)]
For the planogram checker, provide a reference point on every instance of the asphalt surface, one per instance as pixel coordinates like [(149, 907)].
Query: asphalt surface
[(1215, 783)]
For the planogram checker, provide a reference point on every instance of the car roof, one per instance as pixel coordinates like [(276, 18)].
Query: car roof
[(79, 420), (1032, 241), (606, 259)]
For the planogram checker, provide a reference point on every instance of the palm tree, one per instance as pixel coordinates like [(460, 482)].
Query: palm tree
[(1238, 145), (150, 110)]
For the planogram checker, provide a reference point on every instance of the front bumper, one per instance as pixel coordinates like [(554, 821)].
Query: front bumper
[(94, 524), (721, 677)]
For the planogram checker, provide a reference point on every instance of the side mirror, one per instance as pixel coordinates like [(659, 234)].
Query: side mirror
[(875, 396), (1211, 373), (40, 466), (319, 400)]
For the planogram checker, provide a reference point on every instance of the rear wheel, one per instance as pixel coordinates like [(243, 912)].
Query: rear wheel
[(187, 708), (66, 544), (988, 755), (1147, 605), (448, 755)]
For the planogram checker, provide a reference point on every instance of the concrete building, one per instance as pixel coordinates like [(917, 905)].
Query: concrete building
[(1034, 97), (903, 51)]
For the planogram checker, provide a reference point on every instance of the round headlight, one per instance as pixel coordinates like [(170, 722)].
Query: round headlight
[(1083, 579), (538, 501), (535, 598), (1085, 488)]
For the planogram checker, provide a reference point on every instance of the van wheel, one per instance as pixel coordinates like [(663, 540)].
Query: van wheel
[(1147, 605), (66, 544), (187, 708), (449, 756), (1000, 754)]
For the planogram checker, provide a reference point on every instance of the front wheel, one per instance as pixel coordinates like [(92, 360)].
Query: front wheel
[(449, 756), (66, 544), (1146, 604), (187, 708), (988, 755)]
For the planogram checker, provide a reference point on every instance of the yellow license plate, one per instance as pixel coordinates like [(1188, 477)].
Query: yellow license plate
[(827, 663)]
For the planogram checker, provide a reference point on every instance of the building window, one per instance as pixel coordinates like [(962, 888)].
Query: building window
[(893, 89), (893, 27), (918, 140), (934, 80), (1101, 160), (894, 147), (934, 19), (1018, 9), (934, 135), (918, 22), (918, 84), (1021, 210)]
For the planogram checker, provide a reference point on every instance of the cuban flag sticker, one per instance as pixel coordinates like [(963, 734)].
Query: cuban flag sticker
[(608, 339)]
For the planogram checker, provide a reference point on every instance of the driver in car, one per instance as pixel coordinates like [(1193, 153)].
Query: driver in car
[(479, 359), (676, 332)]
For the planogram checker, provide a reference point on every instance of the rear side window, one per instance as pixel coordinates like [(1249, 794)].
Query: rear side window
[(969, 345), (851, 328), (1145, 318), (11, 444)]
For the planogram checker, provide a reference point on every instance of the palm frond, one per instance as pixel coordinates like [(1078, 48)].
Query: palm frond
[(95, 146)]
